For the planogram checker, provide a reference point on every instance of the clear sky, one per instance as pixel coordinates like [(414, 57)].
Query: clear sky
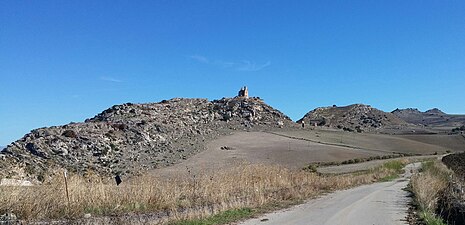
[(64, 61)]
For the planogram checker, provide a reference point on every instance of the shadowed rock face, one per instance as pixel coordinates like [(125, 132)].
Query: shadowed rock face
[(435, 111), (433, 117), (357, 117), (131, 138)]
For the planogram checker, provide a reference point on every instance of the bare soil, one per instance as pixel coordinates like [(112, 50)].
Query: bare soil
[(262, 148), (409, 144), (296, 149), (454, 142)]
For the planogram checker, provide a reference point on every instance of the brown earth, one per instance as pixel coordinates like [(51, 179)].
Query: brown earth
[(454, 142), (297, 148), (409, 144), (262, 148)]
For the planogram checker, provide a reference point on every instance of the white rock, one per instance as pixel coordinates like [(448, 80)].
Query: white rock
[(14, 182)]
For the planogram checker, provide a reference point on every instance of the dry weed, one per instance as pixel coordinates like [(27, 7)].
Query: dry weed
[(428, 184), (183, 197)]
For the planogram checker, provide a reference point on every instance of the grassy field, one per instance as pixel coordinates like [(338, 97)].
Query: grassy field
[(182, 199)]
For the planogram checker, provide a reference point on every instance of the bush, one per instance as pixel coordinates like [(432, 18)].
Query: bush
[(457, 129), (322, 122), (311, 168), (120, 126), (70, 134)]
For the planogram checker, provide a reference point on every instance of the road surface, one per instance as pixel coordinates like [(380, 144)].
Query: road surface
[(376, 204)]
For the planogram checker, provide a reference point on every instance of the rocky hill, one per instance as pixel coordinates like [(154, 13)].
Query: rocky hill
[(357, 117), (131, 138), (432, 118)]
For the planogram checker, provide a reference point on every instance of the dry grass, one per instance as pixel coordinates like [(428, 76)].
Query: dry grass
[(428, 184), (178, 198)]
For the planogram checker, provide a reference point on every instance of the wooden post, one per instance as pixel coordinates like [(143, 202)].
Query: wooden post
[(66, 186)]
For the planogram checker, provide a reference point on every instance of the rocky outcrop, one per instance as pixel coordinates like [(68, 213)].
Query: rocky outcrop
[(357, 117), (431, 118), (131, 138), (435, 111)]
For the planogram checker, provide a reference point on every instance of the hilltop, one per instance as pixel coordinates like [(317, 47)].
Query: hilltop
[(431, 118), (131, 138), (356, 117)]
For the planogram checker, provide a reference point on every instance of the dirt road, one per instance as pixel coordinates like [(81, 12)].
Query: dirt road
[(376, 204)]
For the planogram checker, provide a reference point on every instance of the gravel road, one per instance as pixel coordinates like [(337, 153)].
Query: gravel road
[(376, 204)]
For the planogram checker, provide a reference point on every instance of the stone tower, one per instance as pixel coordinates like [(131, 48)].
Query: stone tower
[(244, 92)]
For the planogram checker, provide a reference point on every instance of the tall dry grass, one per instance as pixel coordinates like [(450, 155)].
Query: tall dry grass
[(428, 184), (181, 198)]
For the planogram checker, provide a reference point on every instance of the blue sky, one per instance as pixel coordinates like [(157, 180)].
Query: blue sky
[(63, 61)]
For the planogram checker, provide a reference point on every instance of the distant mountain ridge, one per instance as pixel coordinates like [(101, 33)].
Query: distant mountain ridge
[(432, 117), (356, 117)]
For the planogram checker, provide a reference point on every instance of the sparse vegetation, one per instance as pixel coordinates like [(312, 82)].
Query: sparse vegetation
[(182, 198), (389, 178), (427, 187), (227, 216), (313, 166), (458, 129), (395, 166), (431, 219)]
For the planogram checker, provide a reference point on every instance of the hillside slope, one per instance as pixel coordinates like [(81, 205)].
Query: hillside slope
[(433, 117), (356, 117), (131, 138)]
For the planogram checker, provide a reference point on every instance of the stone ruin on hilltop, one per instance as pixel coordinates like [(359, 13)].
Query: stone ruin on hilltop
[(244, 92)]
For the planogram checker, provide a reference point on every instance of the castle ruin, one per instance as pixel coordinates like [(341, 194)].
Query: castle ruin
[(244, 92)]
